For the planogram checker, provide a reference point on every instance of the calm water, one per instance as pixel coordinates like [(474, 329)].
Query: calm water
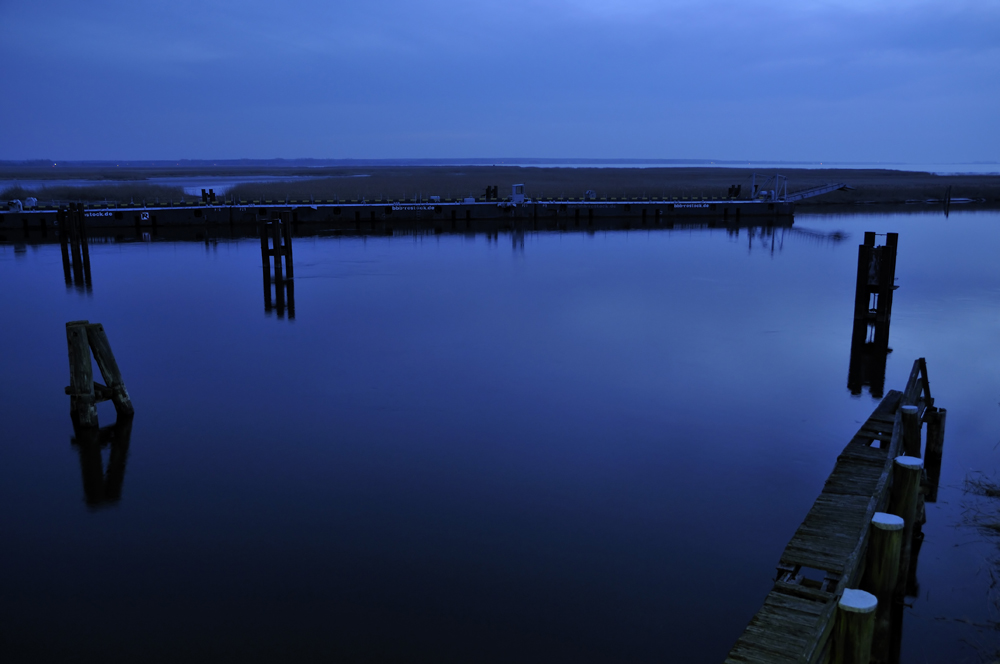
[(582, 449)]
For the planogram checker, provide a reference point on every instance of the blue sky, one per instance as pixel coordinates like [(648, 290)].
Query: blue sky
[(840, 80)]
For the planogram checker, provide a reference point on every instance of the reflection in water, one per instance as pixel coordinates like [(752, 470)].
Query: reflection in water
[(276, 241), (102, 487), (872, 315), (75, 251)]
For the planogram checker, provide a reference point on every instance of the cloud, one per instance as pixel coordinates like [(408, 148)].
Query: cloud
[(528, 77)]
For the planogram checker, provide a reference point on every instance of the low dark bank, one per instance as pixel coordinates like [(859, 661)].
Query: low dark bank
[(874, 186)]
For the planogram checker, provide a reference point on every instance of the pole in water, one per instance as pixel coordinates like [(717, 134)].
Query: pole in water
[(81, 375), (934, 450), (265, 259), (881, 572), (854, 627), (906, 473), (911, 431)]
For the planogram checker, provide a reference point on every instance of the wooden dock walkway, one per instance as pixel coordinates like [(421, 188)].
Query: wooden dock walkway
[(826, 554)]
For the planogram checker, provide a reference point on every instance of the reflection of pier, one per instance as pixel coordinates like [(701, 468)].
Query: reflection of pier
[(276, 241), (102, 486), (75, 252), (872, 315), (841, 580)]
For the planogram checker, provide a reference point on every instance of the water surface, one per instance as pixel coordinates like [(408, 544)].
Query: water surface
[(561, 447)]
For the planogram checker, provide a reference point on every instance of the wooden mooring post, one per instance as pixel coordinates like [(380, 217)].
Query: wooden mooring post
[(848, 542), (276, 241), (74, 246), (855, 627), (872, 314), (83, 338), (933, 451), (880, 576)]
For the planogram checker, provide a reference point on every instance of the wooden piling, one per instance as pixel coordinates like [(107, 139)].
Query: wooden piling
[(286, 232), (108, 366), (906, 474), (62, 222), (279, 281), (84, 246), (933, 450), (911, 431), (882, 560), (855, 625), (880, 576), (81, 375), (265, 258)]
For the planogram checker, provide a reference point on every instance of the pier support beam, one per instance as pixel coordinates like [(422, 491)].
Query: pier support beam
[(854, 627), (83, 337), (276, 242), (83, 404)]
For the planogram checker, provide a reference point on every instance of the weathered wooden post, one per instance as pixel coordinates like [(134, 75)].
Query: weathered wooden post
[(81, 375), (265, 259), (279, 281), (906, 473), (870, 336), (63, 223), (880, 575), (74, 246), (286, 232), (882, 560), (911, 431), (933, 450), (83, 337), (84, 246), (112, 375), (854, 627)]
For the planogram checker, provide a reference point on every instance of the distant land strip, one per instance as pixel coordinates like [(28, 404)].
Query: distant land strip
[(129, 181)]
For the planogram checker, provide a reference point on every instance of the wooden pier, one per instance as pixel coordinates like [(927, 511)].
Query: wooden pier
[(830, 554)]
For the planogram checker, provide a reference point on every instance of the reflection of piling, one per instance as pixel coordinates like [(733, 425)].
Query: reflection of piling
[(100, 486), (276, 241), (947, 201), (872, 314), (83, 338), (75, 249)]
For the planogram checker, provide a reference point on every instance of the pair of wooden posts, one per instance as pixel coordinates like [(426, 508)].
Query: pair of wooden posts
[(865, 617), (276, 241), (82, 338), (73, 242), (872, 314)]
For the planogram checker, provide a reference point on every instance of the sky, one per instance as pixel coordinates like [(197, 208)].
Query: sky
[(798, 80)]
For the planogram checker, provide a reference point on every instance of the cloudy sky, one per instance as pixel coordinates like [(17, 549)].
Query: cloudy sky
[(836, 80)]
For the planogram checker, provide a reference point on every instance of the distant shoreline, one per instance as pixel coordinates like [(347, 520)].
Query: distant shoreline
[(871, 186)]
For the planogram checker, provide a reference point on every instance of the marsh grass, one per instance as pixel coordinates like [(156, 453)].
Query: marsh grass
[(406, 182), (981, 512), (454, 182), (121, 193)]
